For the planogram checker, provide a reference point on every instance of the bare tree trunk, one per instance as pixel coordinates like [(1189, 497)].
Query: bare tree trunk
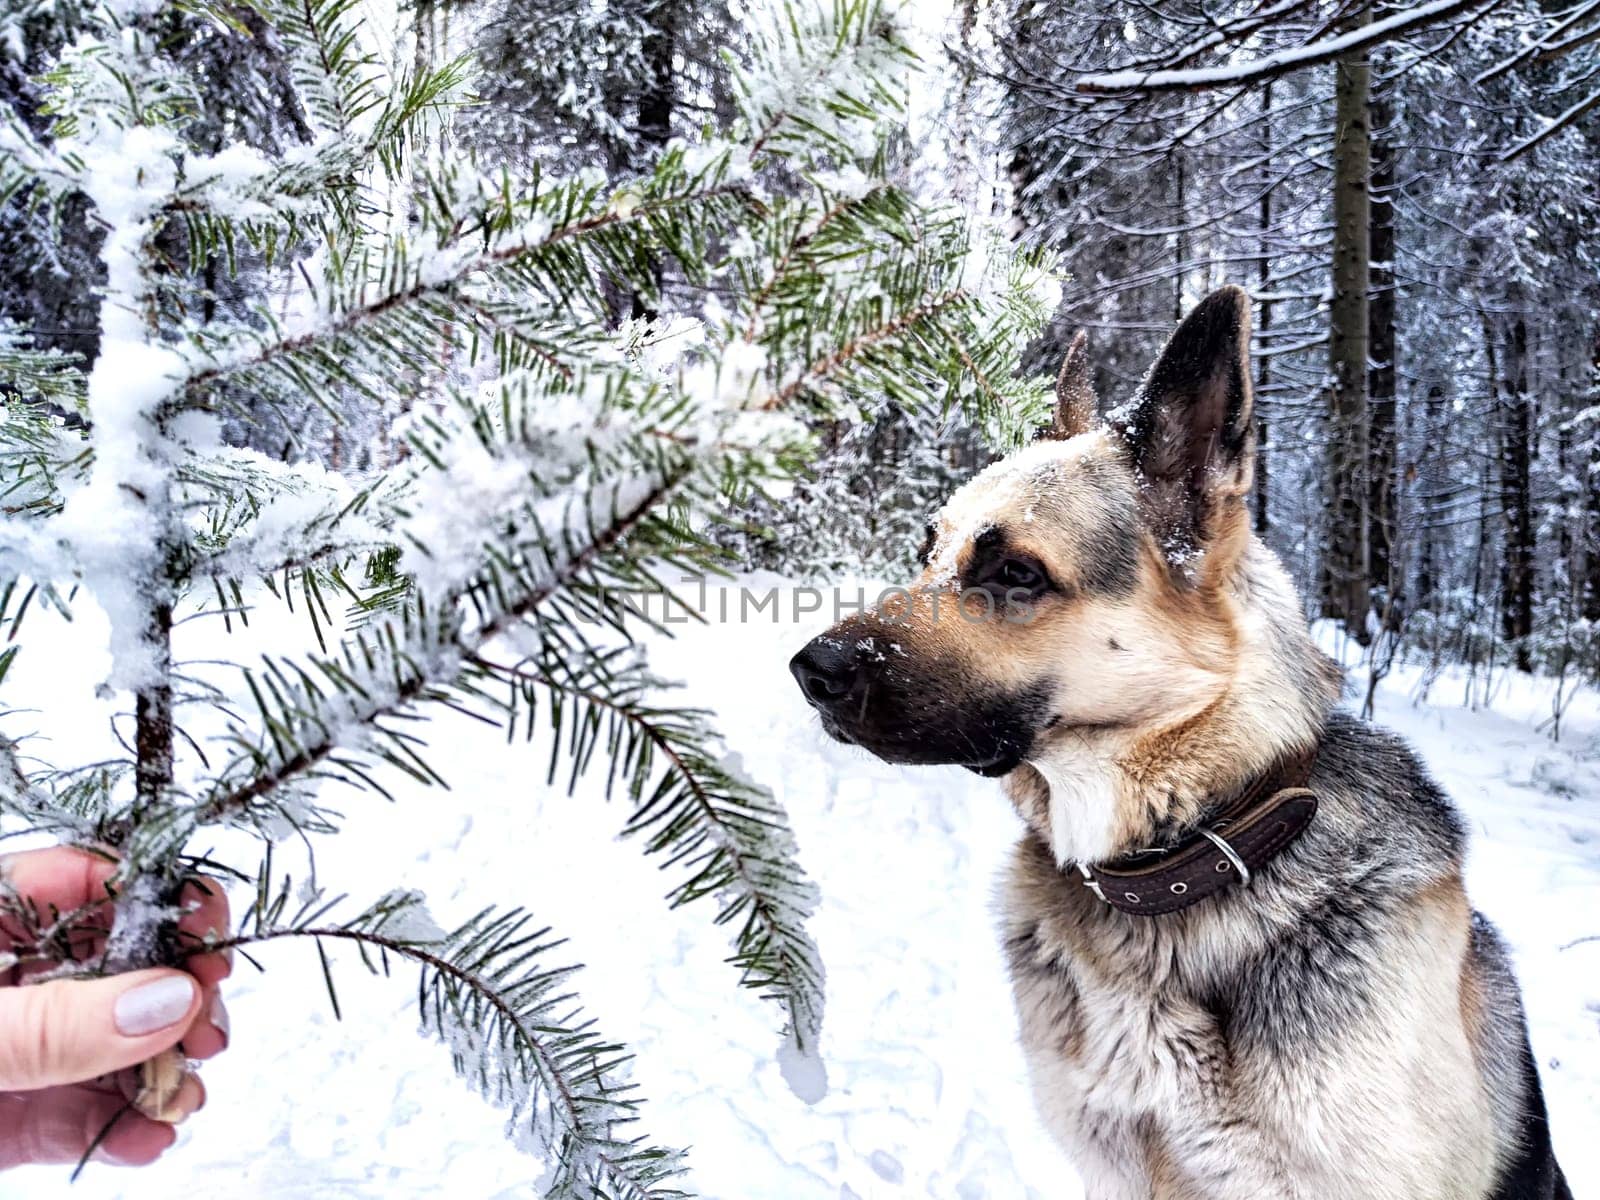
[(1468, 649), (965, 138), (1433, 481), (657, 100), (658, 96), (1180, 244), (1567, 543), (425, 49), (1591, 544), (1382, 509), (1591, 547), (1345, 556), (1515, 412), (1263, 287)]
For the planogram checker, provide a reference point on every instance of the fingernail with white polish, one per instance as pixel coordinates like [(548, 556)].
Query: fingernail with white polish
[(219, 1017), (152, 1006)]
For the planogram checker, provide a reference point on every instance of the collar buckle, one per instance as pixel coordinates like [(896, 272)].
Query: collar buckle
[(1090, 882), (1218, 841)]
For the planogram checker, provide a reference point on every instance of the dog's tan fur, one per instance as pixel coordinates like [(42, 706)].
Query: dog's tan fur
[(1194, 695), (1344, 1028)]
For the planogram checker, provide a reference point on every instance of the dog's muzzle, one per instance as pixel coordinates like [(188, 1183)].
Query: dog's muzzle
[(829, 672), (879, 702)]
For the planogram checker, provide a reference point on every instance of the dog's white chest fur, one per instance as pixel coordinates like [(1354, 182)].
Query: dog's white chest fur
[(1081, 806)]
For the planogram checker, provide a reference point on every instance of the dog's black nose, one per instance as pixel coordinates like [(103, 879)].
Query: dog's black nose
[(828, 671)]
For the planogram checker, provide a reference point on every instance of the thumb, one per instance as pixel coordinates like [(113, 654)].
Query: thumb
[(70, 1030)]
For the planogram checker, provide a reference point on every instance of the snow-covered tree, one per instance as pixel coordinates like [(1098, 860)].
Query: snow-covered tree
[(552, 468), (1420, 359), (863, 504), (603, 85)]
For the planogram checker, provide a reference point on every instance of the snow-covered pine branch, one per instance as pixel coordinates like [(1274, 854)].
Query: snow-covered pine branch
[(829, 79), (510, 1022), (710, 821), (492, 263), (40, 391), (540, 466)]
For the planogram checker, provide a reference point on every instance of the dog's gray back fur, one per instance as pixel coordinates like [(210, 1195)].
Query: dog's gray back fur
[(1341, 1028)]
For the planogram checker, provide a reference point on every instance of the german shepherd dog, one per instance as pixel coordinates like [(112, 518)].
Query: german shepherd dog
[(1243, 959)]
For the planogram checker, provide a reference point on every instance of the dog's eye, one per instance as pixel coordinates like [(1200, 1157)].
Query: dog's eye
[(1012, 580), (1019, 575), (929, 536)]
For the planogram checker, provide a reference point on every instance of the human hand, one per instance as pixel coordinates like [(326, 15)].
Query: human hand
[(70, 1048)]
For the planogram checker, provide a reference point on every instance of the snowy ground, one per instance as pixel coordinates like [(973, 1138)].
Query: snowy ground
[(926, 1090)]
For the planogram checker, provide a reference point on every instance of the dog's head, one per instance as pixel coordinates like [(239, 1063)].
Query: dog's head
[(1083, 585)]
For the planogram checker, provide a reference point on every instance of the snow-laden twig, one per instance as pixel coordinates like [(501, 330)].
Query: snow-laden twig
[(440, 279), (20, 797), (512, 1031), (1549, 44), (1554, 126), (1268, 66), (332, 704), (829, 75), (703, 814)]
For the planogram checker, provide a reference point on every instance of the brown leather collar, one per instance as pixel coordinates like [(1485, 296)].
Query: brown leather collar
[(1240, 837)]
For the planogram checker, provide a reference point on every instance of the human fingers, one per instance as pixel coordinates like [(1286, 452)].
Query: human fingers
[(70, 1030), (66, 878), (58, 1125), (56, 879), (210, 1031), (205, 907)]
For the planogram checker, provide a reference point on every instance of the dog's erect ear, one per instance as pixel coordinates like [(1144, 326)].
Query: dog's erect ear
[(1189, 432), (1075, 401)]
